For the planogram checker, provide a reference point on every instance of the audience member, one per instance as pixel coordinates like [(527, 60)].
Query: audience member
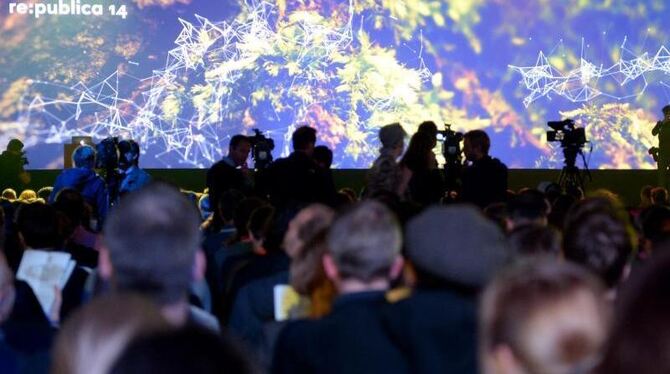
[(29, 197), (133, 177), (151, 247), (600, 241), (8, 360), (640, 336), (659, 196), (543, 317), (529, 207), (363, 257), (95, 336), (455, 250), (485, 178), (9, 194), (533, 240), (385, 174), (44, 193), (84, 179), (655, 229), (425, 184)]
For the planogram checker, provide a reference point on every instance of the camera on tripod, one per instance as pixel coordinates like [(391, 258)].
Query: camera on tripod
[(451, 143), (261, 149), (566, 133)]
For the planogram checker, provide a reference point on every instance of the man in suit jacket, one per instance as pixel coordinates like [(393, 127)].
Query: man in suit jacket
[(363, 257)]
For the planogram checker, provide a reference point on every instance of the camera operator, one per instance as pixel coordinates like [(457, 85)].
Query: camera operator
[(231, 172), (12, 160), (662, 130), (484, 177)]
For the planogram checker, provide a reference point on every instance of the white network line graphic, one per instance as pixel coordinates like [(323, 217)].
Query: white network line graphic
[(181, 120), (582, 83)]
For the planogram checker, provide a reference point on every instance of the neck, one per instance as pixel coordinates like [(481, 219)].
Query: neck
[(353, 286), (177, 313)]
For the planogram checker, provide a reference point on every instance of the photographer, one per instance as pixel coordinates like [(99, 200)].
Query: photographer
[(662, 130), (12, 160), (231, 172), (485, 177)]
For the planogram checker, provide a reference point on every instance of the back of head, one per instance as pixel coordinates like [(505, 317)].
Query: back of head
[(478, 139), (656, 224), (323, 156), (599, 241), (71, 203), (129, 153), (532, 240), (550, 317), (303, 138), (15, 145), (236, 140), (187, 350), (84, 157), (640, 336), (95, 335), (659, 196), (428, 127), (28, 196), (417, 156), (455, 244), (243, 213), (391, 136), (38, 225), (262, 226), (666, 109), (364, 242), (305, 225), (152, 237), (9, 194), (44, 192), (528, 207)]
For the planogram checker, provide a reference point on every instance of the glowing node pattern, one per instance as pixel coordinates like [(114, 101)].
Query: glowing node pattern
[(584, 83), (215, 73)]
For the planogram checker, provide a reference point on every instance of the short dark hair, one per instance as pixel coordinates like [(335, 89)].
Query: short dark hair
[(152, 237), (659, 195), (84, 156), (38, 224), (600, 241), (236, 140), (529, 205), (666, 109), (535, 240), (365, 241), (323, 154), (186, 350), (479, 139), (428, 127), (302, 137)]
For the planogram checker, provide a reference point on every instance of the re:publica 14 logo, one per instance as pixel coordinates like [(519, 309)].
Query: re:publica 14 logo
[(67, 8)]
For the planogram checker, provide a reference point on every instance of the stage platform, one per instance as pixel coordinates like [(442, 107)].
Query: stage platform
[(625, 183)]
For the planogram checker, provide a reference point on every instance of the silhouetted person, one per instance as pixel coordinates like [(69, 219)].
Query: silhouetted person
[(12, 161), (385, 176), (485, 177), (83, 178), (662, 130), (425, 183), (231, 172), (294, 180), (134, 178)]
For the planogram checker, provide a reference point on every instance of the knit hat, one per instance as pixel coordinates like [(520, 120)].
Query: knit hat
[(391, 135), (457, 244)]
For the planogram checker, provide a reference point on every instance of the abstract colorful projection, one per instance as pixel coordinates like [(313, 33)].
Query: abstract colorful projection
[(182, 76)]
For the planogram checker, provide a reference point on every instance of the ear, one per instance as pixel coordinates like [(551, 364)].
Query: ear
[(330, 268), (396, 267), (199, 266), (105, 264), (502, 360)]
